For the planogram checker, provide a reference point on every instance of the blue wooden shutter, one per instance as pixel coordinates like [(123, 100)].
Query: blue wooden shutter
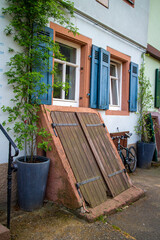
[(94, 77), (133, 87), (104, 79), (46, 69), (157, 89)]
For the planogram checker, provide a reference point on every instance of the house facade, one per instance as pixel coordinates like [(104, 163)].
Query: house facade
[(153, 50), (152, 65), (107, 32), (101, 65)]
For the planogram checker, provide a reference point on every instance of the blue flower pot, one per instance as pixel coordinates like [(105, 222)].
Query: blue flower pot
[(31, 182), (145, 152)]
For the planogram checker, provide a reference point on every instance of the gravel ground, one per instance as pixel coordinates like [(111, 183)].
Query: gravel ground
[(138, 221), (54, 223)]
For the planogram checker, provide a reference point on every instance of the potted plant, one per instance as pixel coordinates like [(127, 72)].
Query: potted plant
[(25, 75), (145, 147)]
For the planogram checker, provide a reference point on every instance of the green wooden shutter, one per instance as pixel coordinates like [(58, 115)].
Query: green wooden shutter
[(45, 69), (133, 87), (94, 77), (104, 79), (157, 89)]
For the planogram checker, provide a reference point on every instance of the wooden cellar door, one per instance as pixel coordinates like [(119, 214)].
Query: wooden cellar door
[(80, 157), (92, 158), (112, 170)]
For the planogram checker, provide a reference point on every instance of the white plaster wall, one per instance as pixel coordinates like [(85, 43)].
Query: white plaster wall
[(130, 22), (5, 90), (123, 123)]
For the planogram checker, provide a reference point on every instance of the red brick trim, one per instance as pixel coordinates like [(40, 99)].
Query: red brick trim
[(125, 59), (4, 233), (86, 45), (154, 52)]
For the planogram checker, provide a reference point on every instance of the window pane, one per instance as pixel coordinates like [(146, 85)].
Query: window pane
[(68, 52), (70, 79), (113, 70), (114, 89), (58, 80)]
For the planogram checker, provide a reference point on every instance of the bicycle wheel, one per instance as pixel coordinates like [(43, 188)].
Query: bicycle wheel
[(132, 159), (122, 157)]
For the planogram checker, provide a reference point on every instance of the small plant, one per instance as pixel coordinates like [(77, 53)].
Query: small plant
[(119, 210), (102, 218), (145, 103), (28, 20)]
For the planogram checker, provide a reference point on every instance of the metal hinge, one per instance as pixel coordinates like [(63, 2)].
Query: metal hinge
[(95, 125), (87, 181), (62, 125), (118, 172)]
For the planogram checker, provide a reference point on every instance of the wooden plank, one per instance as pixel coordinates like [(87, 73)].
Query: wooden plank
[(80, 158), (107, 148), (79, 139), (121, 183), (98, 155), (98, 137), (64, 133), (104, 153), (121, 178), (82, 153), (116, 161)]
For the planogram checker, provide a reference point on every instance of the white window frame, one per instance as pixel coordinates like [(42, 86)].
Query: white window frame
[(117, 78), (63, 101)]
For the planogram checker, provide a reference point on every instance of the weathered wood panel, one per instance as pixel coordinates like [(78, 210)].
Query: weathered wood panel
[(80, 157), (104, 153)]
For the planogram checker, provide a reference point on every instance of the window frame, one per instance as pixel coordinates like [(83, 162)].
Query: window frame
[(119, 83), (63, 101), (125, 60), (86, 46)]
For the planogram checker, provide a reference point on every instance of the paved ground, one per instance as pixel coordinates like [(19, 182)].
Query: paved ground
[(140, 220)]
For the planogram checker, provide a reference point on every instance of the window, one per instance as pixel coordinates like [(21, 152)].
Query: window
[(115, 85), (68, 73), (130, 2), (112, 88)]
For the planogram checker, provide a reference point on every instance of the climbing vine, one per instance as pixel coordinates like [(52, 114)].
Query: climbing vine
[(27, 18), (145, 103)]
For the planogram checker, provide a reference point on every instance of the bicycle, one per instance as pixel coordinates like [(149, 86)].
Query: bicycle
[(130, 160)]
